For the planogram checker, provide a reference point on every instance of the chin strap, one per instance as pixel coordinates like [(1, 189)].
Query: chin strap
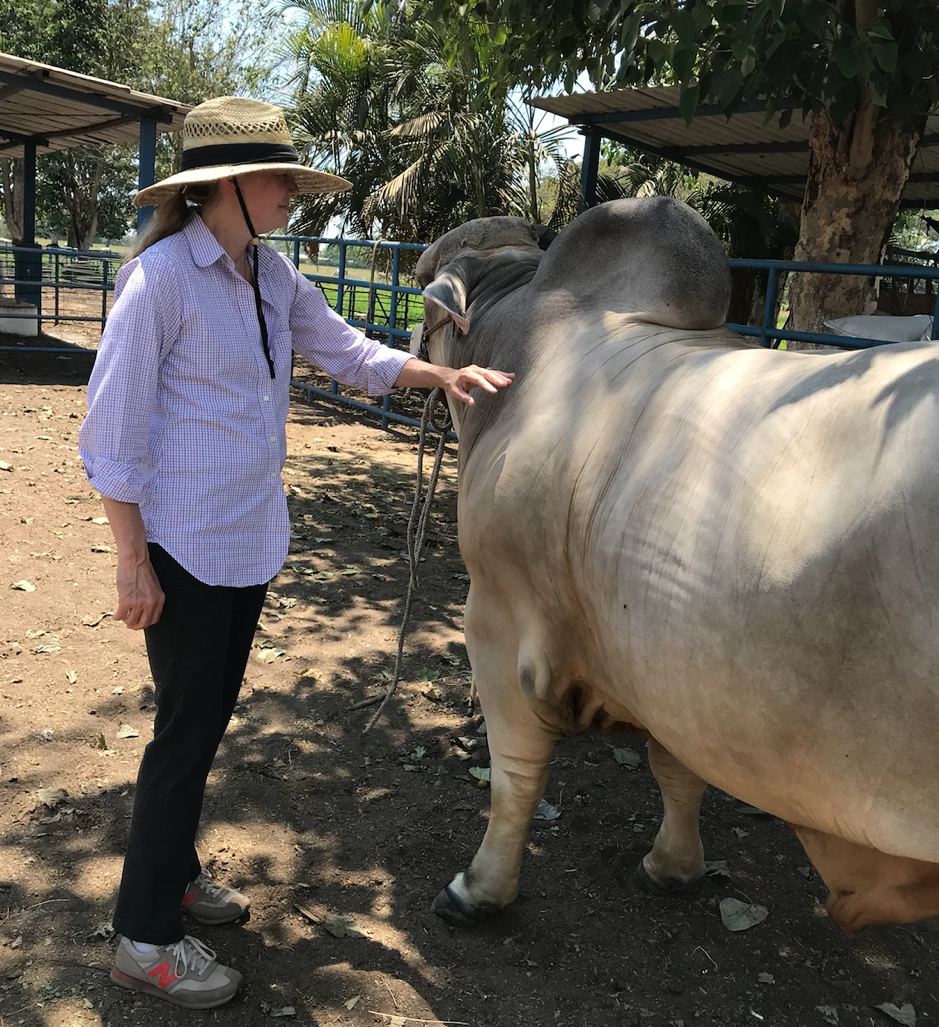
[(257, 288)]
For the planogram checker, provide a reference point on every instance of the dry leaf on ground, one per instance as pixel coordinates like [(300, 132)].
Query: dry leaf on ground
[(741, 916), (904, 1014)]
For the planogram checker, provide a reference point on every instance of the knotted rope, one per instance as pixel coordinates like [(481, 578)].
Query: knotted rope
[(418, 524)]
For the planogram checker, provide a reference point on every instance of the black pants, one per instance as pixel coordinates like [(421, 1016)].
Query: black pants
[(198, 652)]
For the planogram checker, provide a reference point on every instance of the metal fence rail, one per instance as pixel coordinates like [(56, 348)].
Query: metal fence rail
[(767, 332), (383, 303), (34, 272)]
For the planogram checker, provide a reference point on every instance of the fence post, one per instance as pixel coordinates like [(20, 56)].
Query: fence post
[(392, 320), (340, 294), (769, 305), (105, 265)]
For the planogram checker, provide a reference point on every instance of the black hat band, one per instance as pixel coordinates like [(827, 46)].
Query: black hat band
[(238, 153)]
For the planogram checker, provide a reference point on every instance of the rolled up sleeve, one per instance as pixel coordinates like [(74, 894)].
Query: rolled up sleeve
[(122, 392), (343, 352)]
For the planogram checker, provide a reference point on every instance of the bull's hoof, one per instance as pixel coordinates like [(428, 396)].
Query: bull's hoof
[(668, 886), (457, 912)]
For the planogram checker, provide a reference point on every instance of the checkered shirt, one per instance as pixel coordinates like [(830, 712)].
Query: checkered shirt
[(183, 416)]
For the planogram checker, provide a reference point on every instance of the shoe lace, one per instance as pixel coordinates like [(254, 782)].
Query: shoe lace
[(190, 953), (213, 890)]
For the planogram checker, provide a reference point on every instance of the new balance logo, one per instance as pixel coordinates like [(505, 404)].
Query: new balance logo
[(188, 898), (166, 976)]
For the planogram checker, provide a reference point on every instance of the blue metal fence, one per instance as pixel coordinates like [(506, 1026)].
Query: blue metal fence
[(769, 334), (384, 306), (383, 303)]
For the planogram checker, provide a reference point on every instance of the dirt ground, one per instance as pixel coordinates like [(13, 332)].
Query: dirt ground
[(328, 829)]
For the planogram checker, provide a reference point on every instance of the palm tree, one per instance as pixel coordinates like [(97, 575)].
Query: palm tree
[(425, 146)]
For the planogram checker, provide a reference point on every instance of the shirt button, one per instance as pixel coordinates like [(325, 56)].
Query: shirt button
[(266, 398), (273, 438), (273, 475)]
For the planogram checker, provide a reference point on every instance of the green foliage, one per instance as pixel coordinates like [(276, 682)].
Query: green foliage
[(425, 142), (189, 50), (813, 55)]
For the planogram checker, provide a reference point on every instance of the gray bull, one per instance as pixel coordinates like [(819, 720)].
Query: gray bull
[(728, 549)]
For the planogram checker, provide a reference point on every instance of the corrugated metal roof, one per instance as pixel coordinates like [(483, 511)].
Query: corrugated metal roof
[(745, 149), (59, 109)]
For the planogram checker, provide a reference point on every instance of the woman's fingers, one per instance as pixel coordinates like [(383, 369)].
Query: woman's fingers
[(139, 595), (139, 615), (488, 378)]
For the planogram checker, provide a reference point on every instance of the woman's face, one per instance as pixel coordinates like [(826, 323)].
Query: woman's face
[(267, 195)]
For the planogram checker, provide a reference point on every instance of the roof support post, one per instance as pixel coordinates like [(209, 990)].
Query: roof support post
[(28, 261), (29, 192), (146, 166), (589, 169)]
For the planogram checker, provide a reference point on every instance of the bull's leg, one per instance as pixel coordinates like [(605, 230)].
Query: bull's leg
[(520, 747), (676, 862)]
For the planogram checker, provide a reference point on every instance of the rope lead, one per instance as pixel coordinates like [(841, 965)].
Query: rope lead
[(418, 523)]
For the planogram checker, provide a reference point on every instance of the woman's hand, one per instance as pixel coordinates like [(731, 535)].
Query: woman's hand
[(457, 382), (139, 595), (418, 374)]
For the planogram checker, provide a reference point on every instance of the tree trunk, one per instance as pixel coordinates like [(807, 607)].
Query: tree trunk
[(12, 173), (856, 175), (87, 227)]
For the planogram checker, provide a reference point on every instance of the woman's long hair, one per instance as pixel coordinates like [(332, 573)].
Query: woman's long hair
[(171, 215)]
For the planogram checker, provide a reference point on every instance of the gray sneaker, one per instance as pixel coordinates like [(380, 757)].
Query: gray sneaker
[(186, 973), (211, 903)]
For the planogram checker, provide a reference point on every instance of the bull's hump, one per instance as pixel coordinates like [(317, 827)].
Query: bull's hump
[(655, 255)]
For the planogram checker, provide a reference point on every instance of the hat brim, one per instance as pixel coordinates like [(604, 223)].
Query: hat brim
[(306, 179)]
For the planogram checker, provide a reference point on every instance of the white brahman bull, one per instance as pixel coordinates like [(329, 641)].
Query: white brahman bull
[(732, 550)]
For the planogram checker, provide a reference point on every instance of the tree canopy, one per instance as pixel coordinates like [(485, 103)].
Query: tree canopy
[(833, 55), (865, 72), (186, 49), (424, 144)]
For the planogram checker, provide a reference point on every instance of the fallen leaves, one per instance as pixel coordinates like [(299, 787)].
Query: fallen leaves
[(741, 916), (546, 811), (23, 586), (102, 931), (339, 925), (51, 797), (268, 651), (904, 1014), (625, 757), (127, 731)]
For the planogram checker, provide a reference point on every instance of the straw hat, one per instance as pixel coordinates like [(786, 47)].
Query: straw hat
[(232, 136)]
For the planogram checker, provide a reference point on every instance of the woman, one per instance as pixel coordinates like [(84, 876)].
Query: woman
[(185, 441)]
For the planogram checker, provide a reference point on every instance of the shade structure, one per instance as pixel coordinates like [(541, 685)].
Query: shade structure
[(45, 108), (746, 148)]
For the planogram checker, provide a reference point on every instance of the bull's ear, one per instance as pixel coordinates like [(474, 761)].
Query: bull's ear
[(448, 290)]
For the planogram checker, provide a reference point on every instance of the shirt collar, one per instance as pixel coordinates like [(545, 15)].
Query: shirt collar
[(203, 245), (206, 249)]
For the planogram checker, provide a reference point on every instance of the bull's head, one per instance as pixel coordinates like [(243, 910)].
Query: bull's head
[(464, 272)]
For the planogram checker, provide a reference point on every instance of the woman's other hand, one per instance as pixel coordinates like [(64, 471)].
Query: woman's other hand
[(139, 595)]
